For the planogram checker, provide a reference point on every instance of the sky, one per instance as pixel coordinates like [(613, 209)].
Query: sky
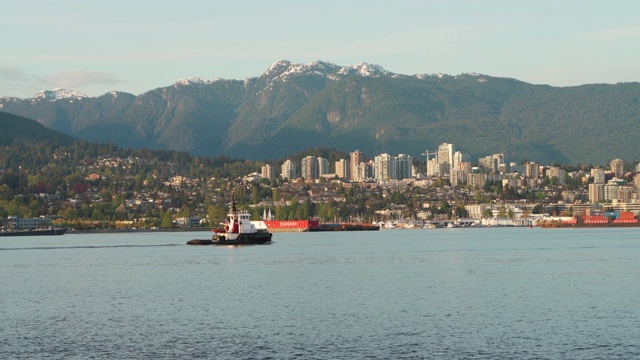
[(135, 46)]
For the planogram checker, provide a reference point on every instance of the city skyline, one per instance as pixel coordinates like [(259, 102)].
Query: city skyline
[(95, 48)]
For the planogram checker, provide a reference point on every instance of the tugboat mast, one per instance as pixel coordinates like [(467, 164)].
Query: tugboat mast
[(233, 203)]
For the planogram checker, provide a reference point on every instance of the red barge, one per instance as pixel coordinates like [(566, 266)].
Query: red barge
[(612, 219)]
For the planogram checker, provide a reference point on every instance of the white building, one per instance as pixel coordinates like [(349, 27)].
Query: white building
[(288, 170)]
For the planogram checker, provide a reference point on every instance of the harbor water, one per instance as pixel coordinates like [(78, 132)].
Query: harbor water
[(462, 293)]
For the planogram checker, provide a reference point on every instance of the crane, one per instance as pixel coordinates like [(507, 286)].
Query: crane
[(428, 153)]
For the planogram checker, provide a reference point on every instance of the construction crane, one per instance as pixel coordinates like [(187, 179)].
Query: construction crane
[(428, 153)]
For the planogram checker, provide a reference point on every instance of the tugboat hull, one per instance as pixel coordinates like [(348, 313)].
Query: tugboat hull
[(244, 239)]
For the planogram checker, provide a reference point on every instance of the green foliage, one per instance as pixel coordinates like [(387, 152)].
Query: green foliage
[(270, 118)]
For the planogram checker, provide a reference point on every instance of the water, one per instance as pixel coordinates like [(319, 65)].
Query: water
[(444, 293)]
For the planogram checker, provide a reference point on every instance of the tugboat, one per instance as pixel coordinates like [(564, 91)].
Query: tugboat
[(238, 230)]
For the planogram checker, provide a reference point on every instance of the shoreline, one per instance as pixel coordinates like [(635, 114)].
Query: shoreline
[(99, 231)]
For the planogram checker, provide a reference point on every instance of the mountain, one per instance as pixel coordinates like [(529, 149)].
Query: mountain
[(16, 128), (291, 107)]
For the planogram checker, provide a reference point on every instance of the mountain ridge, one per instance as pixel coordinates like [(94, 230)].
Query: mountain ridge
[(290, 107)]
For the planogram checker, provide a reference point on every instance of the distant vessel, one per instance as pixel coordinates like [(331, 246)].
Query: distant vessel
[(610, 219), (347, 226), (238, 230), (35, 232)]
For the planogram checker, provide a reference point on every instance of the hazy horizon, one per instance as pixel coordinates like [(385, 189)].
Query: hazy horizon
[(96, 48)]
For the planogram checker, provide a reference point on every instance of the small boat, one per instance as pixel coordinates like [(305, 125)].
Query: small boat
[(238, 230), (34, 232)]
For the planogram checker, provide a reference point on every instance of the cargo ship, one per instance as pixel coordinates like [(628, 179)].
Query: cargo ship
[(609, 219)]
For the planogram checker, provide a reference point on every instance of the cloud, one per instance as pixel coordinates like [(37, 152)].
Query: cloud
[(10, 74), (614, 34), (79, 78), (17, 82)]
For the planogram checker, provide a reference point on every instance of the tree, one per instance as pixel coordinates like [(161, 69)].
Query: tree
[(461, 211), (538, 209), (167, 221), (216, 215)]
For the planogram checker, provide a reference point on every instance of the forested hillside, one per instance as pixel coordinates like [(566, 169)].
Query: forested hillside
[(292, 107)]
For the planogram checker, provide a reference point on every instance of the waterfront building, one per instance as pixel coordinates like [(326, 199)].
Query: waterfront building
[(20, 223)]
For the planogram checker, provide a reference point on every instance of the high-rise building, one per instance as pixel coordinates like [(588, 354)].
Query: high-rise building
[(384, 167), (388, 167), (598, 175), (493, 163), (309, 168), (617, 167), (267, 172), (403, 167), (432, 167), (445, 158), (459, 174), (343, 169), (558, 173), (323, 166), (355, 159), (531, 170), (288, 170)]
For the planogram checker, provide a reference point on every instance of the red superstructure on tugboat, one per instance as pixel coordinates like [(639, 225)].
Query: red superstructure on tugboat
[(238, 230)]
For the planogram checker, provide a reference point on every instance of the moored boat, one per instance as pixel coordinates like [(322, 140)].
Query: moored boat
[(34, 232)]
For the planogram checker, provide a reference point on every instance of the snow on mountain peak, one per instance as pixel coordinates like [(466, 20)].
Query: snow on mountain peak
[(364, 69), (277, 66), (193, 81), (283, 69), (57, 94)]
